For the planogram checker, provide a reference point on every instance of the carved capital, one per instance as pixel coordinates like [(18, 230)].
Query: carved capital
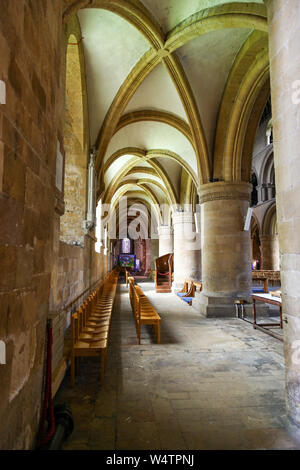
[(165, 231), (183, 218), (222, 190), (269, 238)]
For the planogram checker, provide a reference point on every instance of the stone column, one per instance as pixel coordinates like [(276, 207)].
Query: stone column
[(271, 191), (166, 244), (187, 249), (284, 40), (270, 252), (226, 247)]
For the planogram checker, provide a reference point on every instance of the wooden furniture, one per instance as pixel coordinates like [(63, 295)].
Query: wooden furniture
[(265, 276), (184, 289), (163, 273), (198, 284), (143, 311), (90, 324), (268, 299), (131, 284), (265, 288), (188, 292), (276, 293)]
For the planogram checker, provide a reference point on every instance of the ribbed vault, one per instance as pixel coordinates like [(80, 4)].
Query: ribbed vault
[(175, 92)]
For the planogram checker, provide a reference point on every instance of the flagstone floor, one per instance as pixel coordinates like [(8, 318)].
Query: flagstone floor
[(211, 384)]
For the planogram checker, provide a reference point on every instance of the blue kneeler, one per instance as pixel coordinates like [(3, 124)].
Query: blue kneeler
[(257, 290), (188, 300)]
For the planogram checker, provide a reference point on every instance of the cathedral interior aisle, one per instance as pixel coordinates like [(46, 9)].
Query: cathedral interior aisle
[(210, 384)]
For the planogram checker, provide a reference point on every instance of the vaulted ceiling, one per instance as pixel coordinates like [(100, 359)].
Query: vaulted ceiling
[(159, 75)]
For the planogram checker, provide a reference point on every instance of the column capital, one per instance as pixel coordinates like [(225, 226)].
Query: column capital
[(165, 230), (183, 218), (222, 190)]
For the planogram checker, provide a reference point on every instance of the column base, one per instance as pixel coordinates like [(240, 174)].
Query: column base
[(218, 307), (210, 306)]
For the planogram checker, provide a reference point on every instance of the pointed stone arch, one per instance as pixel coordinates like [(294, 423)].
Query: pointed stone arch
[(245, 84)]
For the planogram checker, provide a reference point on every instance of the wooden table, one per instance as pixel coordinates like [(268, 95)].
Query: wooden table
[(268, 299)]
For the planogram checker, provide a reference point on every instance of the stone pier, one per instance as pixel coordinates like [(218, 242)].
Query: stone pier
[(187, 249), (226, 259), (166, 244), (284, 40)]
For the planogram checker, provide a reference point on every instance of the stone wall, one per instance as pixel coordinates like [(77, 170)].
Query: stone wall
[(39, 273), (30, 125)]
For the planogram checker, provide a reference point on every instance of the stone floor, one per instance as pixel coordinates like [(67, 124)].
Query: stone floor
[(211, 384)]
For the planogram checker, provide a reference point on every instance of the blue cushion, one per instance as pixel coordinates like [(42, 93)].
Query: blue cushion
[(258, 289), (180, 294), (187, 299)]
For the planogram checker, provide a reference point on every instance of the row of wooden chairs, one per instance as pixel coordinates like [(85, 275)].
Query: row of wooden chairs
[(143, 311), (90, 324), (188, 292)]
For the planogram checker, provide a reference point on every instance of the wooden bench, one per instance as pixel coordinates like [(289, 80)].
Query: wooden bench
[(258, 289), (90, 324), (188, 292), (143, 311)]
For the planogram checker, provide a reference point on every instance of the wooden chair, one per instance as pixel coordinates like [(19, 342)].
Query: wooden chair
[(187, 293), (199, 285), (184, 289), (82, 348), (145, 313), (91, 323)]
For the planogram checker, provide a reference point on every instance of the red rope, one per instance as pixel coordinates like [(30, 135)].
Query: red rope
[(48, 410), (163, 274)]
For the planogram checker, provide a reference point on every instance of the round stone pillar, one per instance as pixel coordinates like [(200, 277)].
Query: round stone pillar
[(187, 249), (165, 234), (270, 252), (226, 247), (284, 40)]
